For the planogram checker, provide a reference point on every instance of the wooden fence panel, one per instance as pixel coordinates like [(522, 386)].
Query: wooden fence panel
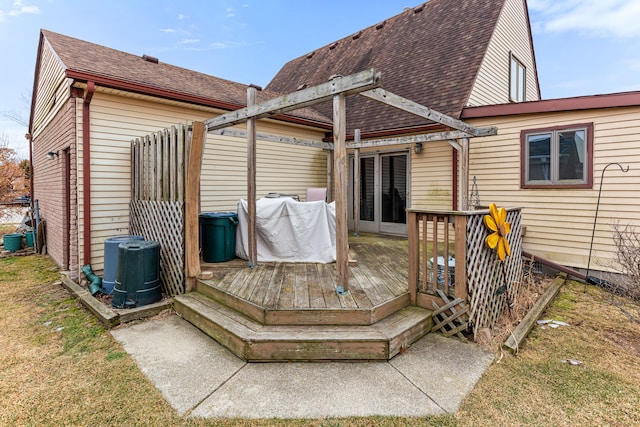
[(157, 208)]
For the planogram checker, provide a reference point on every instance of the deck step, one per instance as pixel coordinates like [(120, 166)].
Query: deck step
[(254, 341), (303, 316)]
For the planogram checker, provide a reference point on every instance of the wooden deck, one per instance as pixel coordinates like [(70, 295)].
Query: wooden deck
[(378, 274), (291, 311)]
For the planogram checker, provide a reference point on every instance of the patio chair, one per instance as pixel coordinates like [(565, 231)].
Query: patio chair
[(315, 194)]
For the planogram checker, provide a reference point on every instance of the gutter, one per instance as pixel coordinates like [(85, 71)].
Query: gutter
[(129, 86), (86, 174)]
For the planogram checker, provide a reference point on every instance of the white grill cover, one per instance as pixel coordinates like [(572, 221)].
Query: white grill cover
[(289, 231)]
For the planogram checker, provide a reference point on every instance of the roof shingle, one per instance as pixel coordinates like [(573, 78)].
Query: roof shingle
[(95, 60), (430, 54)]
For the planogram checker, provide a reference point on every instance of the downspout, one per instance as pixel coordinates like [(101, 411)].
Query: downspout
[(454, 179), (86, 174), (29, 138)]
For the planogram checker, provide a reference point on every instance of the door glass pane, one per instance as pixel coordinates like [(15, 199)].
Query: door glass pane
[(572, 154), (394, 189), (539, 157), (367, 190)]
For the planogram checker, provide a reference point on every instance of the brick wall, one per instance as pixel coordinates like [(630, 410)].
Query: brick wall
[(55, 182)]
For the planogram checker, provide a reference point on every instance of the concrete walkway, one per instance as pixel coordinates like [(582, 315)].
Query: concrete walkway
[(200, 378)]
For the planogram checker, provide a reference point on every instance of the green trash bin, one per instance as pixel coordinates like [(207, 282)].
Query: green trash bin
[(12, 242), (29, 238), (218, 236)]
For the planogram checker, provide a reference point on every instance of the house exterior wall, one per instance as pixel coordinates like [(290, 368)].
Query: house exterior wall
[(116, 120), (49, 182), (281, 168), (52, 91), (432, 177), (559, 222), (511, 35)]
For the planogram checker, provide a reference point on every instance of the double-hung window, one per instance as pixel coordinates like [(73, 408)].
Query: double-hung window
[(559, 157), (517, 77)]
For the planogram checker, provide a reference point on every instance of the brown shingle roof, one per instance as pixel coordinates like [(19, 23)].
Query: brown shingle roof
[(124, 70), (430, 54)]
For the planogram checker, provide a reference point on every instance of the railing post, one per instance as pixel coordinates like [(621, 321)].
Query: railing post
[(414, 254), (461, 257)]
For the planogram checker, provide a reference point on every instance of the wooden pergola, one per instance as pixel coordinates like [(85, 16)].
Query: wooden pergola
[(366, 83)]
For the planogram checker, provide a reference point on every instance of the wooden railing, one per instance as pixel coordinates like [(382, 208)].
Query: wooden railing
[(431, 236), (447, 253)]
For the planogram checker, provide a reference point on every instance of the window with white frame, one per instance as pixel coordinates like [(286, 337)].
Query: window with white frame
[(517, 77), (557, 157)]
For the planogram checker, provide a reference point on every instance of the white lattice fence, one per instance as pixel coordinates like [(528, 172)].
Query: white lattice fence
[(163, 222), (486, 273)]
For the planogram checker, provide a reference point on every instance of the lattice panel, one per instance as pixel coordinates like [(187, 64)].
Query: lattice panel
[(163, 222), (485, 272), (451, 317)]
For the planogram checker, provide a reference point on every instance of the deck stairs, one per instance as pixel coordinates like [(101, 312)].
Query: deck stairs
[(257, 334)]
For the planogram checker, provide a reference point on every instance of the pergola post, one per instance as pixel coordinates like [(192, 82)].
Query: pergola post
[(463, 153), (192, 205), (356, 185), (340, 193), (330, 178), (251, 179)]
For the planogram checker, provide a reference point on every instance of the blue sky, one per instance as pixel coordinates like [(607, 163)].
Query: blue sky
[(583, 47)]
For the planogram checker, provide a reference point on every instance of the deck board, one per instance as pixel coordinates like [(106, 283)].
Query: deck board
[(260, 290), (316, 297), (301, 288), (327, 277), (273, 291), (379, 276), (286, 299)]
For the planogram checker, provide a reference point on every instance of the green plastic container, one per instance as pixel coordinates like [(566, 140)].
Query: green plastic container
[(218, 236), (12, 242), (29, 237), (138, 274)]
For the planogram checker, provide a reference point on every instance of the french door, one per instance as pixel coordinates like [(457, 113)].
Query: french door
[(384, 179)]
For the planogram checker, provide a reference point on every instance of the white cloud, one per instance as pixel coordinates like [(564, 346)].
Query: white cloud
[(182, 17), (189, 41), (168, 30), (618, 18), (18, 9)]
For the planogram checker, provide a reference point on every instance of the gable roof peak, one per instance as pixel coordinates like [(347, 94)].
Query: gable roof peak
[(430, 53)]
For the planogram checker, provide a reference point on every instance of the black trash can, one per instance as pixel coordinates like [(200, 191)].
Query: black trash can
[(218, 236), (138, 276), (111, 260)]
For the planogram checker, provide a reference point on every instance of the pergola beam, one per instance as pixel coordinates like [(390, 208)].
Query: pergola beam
[(347, 85), (412, 107), (275, 138), (412, 139)]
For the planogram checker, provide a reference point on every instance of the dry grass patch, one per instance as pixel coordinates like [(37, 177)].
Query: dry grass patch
[(538, 388), (59, 366)]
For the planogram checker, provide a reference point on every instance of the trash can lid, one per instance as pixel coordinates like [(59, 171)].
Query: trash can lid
[(218, 214)]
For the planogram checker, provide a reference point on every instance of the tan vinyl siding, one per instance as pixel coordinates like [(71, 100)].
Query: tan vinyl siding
[(116, 120), (52, 89), (432, 177), (559, 221), (511, 35), (281, 168)]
